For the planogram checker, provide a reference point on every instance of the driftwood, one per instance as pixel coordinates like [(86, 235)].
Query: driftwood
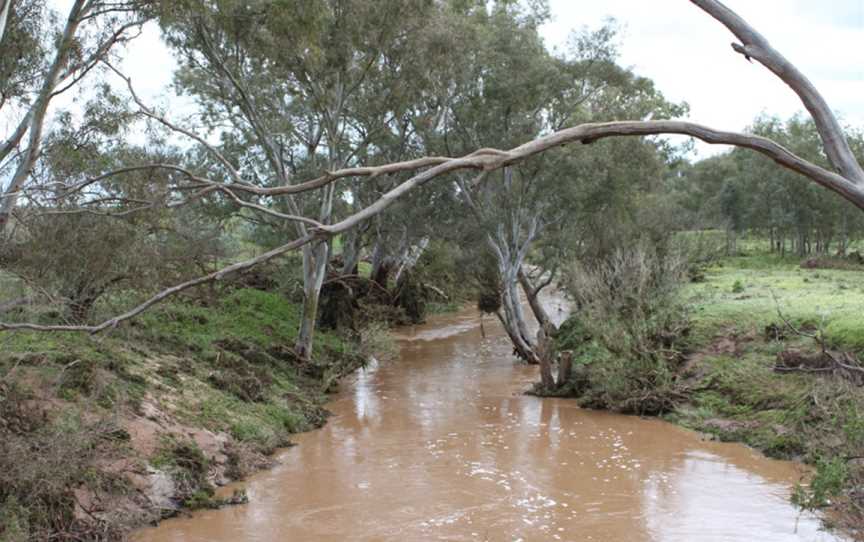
[(844, 364)]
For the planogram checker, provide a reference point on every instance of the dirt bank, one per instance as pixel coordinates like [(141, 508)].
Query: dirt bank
[(99, 435)]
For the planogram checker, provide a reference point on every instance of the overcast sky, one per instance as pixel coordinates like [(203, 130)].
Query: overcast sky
[(689, 57), (684, 51)]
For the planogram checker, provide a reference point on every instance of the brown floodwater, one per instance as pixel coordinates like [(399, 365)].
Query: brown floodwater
[(441, 444)]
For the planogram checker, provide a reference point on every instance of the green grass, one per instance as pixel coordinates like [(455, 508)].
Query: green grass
[(807, 297), (726, 383), (738, 396)]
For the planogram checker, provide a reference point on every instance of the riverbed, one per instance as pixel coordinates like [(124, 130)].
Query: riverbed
[(440, 443)]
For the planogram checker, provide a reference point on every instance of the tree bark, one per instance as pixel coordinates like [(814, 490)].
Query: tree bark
[(754, 45), (350, 253), (314, 269), (522, 349), (5, 8), (565, 368), (545, 353), (532, 293)]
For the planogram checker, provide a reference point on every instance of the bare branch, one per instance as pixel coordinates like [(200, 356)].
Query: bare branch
[(148, 112), (754, 45), (491, 159), (164, 294), (204, 186)]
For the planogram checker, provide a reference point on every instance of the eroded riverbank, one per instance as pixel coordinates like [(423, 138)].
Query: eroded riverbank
[(441, 444)]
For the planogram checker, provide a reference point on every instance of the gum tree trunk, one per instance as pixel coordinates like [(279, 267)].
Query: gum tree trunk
[(314, 270), (5, 8), (565, 368)]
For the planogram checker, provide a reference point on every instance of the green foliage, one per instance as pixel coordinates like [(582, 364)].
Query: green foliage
[(248, 315), (25, 49), (630, 312), (741, 191), (828, 482)]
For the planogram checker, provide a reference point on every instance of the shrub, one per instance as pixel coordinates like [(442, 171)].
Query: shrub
[(628, 305)]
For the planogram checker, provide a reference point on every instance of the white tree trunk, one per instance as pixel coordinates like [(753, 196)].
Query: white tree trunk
[(5, 8), (532, 293), (315, 260), (314, 269), (510, 252), (411, 257), (38, 112)]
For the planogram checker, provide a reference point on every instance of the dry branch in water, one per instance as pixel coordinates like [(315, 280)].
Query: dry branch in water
[(847, 181)]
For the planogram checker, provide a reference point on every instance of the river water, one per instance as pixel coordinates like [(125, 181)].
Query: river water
[(442, 444)]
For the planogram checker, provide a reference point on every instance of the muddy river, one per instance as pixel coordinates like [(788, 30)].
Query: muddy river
[(441, 444)]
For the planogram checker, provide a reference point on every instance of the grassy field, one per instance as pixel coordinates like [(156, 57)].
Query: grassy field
[(746, 292), (735, 392)]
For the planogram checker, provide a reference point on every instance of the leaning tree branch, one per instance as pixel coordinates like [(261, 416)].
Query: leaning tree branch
[(849, 183), (150, 113), (492, 159), (203, 187), (164, 294), (489, 160), (754, 46)]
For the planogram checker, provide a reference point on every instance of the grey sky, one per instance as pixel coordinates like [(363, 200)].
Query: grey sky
[(688, 54)]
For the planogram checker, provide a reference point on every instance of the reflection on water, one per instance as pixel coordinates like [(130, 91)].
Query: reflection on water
[(440, 444)]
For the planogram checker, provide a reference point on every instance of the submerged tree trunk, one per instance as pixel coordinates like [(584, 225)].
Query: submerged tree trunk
[(565, 368), (545, 351), (521, 348)]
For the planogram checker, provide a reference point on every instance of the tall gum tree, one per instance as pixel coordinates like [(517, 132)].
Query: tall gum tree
[(303, 87), (91, 30), (517, 89)]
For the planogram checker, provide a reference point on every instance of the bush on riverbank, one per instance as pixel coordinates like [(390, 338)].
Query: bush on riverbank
[(100, 433), (628, 308), (748, 376)]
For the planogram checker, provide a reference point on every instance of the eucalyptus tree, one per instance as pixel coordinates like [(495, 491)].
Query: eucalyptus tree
[(503, 97), (739, 192), (46, 62), (517, 91), (294, 88)]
